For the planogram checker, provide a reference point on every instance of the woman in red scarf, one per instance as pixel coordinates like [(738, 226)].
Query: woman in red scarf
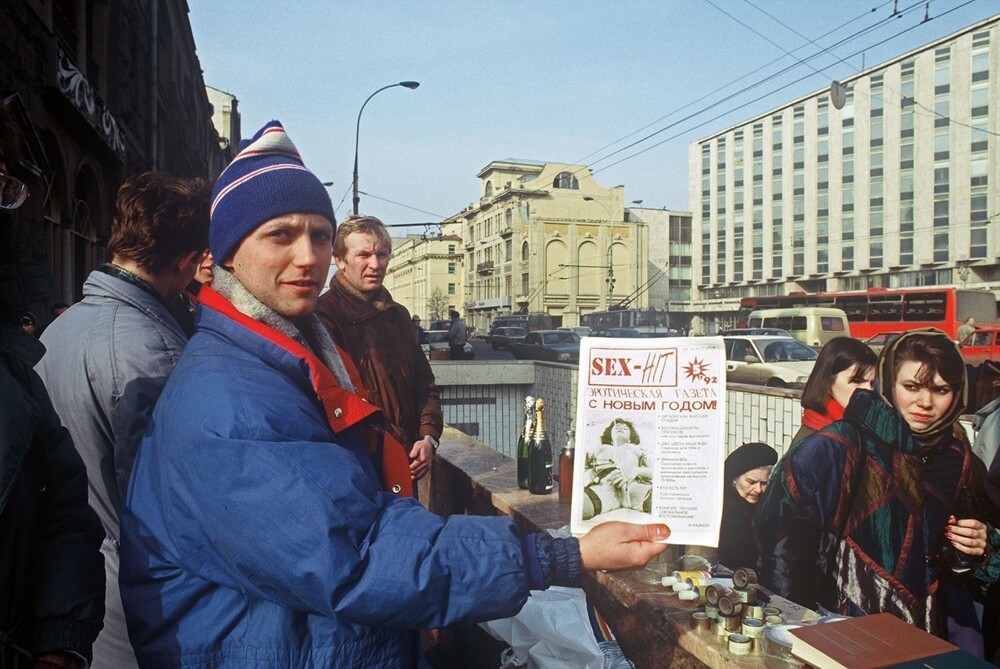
[(844, 365)]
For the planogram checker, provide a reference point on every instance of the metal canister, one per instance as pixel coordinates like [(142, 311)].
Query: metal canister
[(746, 595), (772, 611), (753, 628), (730, 606), (700, 622), (740, 644), (774, 620), (733, 623), (712, 611), (753, 611), (719, 627), (714, 592), (744, 578)]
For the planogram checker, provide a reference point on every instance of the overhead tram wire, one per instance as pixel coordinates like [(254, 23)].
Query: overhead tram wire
[(741, 91), (742, 77), (746, 104)]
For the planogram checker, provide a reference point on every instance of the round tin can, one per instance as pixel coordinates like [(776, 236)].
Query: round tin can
[(774, 620), (719, 627), (733, 623), (746, 595), (740, 644), (714, 592), (700, 622), (772, 611), (728, 606), (753, 611), (744, 578), (753, 628), (712, 611)]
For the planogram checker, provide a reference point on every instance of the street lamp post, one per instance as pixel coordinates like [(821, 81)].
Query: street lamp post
[(610, 280), (357, 131)]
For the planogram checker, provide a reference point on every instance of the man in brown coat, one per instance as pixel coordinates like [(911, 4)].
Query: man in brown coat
[(377, 334)]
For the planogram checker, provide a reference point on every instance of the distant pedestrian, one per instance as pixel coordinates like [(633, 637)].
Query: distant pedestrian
[(456, 336), (966, 329), (371, 327), (421, 335)]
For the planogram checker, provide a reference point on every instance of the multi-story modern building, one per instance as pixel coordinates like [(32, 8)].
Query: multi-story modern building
[(425, 275), (888, 179), (547, 238), (670, 283), (98, 91)]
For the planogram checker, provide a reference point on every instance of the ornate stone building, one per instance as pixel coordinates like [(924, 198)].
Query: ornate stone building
[(101, 90), (547, 238)]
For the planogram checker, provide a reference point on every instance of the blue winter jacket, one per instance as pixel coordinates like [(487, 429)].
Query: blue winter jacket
[(253, 535)]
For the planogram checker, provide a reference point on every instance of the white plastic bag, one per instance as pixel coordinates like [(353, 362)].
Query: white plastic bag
[(552, 631)]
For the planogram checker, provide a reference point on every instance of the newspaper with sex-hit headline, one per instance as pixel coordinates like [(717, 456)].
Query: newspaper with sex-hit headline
[(650, 435)]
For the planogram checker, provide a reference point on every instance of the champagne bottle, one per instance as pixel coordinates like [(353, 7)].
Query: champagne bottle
[(524, 443), (566, 468), (966, 506), (540, 456)]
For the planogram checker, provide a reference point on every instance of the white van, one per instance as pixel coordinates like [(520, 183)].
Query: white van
[(813, 326)]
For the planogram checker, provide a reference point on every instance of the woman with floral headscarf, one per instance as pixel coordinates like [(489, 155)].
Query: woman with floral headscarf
[(857, 514)]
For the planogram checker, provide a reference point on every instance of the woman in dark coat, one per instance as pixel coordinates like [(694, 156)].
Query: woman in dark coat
[(747, 470), (843, 366), (857, 513)]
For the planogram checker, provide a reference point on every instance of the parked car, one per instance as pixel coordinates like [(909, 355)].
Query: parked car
[(437, 347), (629, 333), (879, 341), (772, 332), (581, 330), (552, 345), (775, 361), (503, 337)]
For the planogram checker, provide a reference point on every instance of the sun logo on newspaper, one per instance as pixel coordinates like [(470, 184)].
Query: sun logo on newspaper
[(697, 370)]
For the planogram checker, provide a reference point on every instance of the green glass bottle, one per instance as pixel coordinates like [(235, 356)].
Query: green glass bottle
[(524, 443)]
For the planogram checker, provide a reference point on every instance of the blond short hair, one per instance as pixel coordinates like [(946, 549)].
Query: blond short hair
[(368, 225)]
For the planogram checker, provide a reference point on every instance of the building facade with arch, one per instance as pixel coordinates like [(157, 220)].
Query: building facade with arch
[(548, 238), (98, 90)]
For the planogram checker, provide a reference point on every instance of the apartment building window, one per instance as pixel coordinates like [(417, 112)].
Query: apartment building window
[(451, 249), (706, 159), (451, 268), (776, 131), (508, 250), (566, 180), (847, 229), (524, 252), (720, 153), (451, 289), (979, 136), (906, 155), (822, 116), (777, 237), (524, 283), (847, 258), (876, 256)]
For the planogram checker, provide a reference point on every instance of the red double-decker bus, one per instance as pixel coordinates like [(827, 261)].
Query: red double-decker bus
[(876, 310)]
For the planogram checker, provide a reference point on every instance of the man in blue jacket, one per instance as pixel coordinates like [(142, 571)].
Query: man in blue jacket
[(259, 527)]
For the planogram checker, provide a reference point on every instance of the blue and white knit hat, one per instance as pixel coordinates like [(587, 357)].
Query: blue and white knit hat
[(266, 179)]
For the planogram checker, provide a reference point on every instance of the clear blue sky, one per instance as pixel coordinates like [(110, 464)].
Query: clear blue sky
[(537, 80)]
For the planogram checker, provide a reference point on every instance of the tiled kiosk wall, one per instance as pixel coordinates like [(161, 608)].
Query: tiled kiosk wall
[(484, 400)]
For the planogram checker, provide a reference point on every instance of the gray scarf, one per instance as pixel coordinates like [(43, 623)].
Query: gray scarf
[(308, 331)]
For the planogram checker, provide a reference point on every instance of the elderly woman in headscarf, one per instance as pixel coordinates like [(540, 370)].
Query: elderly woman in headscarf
[(857, 514), (747, 470)]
